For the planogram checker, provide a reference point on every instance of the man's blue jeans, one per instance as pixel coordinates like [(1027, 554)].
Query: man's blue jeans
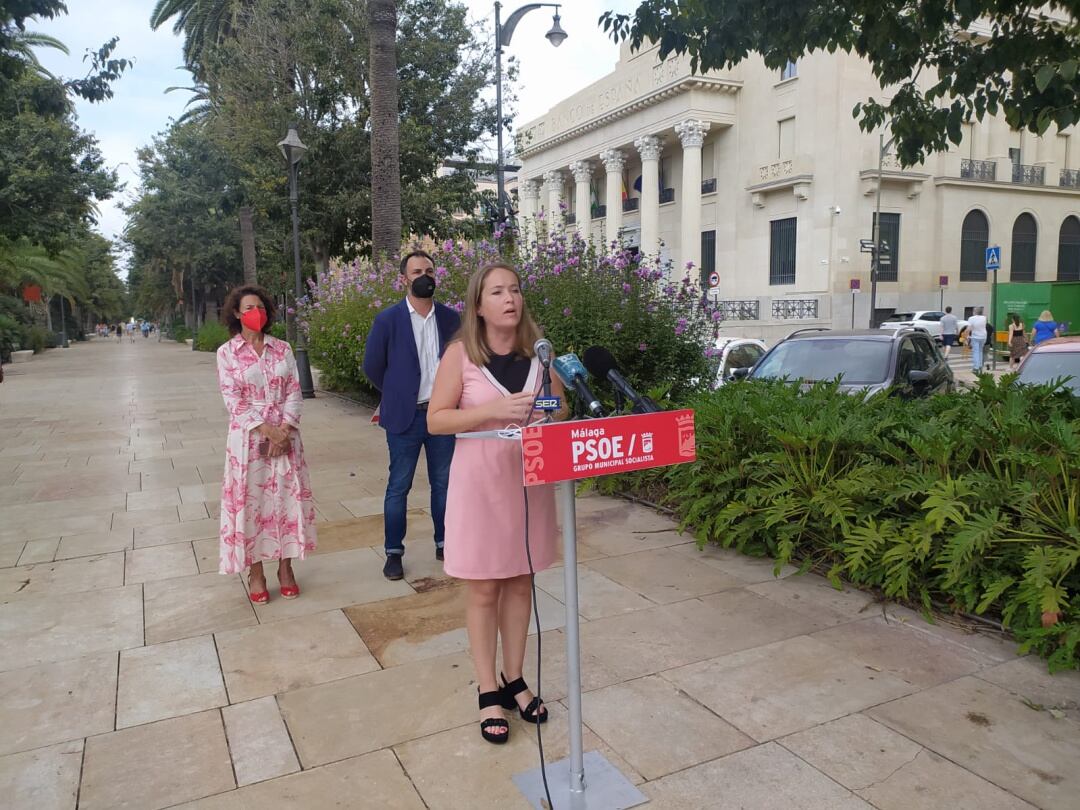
[(404, 454), (977, 345)]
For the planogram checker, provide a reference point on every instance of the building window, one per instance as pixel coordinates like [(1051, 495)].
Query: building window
[(785, 140), (1025, 237), (889, 268), (708, 257), (789, 71), (782, 251), (1069, 250), (974, 238)]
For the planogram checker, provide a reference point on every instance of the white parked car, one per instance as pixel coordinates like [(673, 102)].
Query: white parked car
[(928, 320), (730, 353)]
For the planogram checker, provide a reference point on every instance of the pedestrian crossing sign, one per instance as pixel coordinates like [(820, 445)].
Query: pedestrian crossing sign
[(993, 257)]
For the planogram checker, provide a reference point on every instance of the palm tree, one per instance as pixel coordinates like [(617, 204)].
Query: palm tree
[(204, 23), (385, 163), (22, 44)]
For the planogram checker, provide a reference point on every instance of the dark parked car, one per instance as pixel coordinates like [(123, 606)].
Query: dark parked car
[(1053, 360), (866, 361)]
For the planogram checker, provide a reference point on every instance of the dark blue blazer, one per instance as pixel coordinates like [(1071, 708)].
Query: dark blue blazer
[(392, 364)]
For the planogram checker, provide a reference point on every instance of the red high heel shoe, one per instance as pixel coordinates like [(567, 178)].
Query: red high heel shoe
[(258, 597), (290, 591)]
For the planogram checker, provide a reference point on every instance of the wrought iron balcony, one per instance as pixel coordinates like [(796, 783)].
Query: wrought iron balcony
[(708, 186), (599, 211), (794, 308), (740, 310), (978, 169), (1070, 178), (667, 195), (570, 219), (630, 204), (1028, 175)]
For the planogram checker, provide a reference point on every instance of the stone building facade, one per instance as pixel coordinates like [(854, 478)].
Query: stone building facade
[(766, 179)]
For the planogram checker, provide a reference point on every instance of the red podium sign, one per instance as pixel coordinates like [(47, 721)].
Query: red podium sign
[(564, 451)]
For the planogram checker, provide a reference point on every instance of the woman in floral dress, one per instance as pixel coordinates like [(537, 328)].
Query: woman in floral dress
[(266, 506)]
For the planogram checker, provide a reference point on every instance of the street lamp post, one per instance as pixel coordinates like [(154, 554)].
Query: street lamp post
[(293, 149), (503, 33), (875, 259), (63, 325)]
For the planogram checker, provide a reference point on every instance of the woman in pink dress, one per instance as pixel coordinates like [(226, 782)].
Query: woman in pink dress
[(266, 507), (488, 379)]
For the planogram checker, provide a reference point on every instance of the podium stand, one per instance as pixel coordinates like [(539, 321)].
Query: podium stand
[(562, 453)]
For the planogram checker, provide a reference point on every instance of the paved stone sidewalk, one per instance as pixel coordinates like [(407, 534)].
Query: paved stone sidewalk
[(133, 675)]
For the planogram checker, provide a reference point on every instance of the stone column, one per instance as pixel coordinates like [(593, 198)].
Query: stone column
[(582, 172), (692, 135), (649, 147), (1045, 157), (530, 206), (553, 185), (614, 161)]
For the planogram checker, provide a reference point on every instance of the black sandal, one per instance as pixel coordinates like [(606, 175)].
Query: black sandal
[(531, 713), (487, 700)]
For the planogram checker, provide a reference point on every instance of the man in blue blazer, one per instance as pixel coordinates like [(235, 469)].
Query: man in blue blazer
[(401, 357)]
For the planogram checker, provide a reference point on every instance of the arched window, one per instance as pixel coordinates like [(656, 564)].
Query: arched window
[(974, 238), (1025, 238), (1069, 250)]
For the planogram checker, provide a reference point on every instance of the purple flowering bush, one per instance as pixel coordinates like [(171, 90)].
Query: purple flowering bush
[(654, 325)]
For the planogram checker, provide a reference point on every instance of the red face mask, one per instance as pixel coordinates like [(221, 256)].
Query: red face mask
[(254, 319)]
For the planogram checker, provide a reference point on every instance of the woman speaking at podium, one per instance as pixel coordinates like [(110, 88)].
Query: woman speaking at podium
[(488, 380)]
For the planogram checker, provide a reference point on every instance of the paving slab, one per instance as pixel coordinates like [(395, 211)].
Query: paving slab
[(194, 606), (767, 777), (160, 562), (258, 741), (67, 576), (43, 779), (157, 765), (375, 780), (664, 575), (42, 550), (668, 731), (168, 680), (993, 734), (55, 627), (780, 688), (1028, 680), (58, 702), (598, 596), (291, 654), (86, 545), (414, 627)]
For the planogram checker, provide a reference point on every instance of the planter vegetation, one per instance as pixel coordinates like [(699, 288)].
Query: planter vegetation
[(968, 500)]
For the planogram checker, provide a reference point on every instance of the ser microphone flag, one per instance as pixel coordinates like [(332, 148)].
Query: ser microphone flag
[(570, 370)]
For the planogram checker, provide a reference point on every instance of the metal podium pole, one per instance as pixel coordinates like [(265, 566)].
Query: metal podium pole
[(607, 789), (573, 643)]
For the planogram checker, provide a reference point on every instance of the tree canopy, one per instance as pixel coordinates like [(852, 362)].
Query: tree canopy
[(944, 62)]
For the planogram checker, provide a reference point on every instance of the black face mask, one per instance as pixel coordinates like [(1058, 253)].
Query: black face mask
[(423, 286)]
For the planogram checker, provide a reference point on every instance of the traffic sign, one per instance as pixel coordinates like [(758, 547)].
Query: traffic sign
[(714, 279), (993, 257), (943, 281), (856, 285)]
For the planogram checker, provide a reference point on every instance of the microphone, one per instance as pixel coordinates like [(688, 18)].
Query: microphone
[(601, 364), (543, 351), (573, 375)]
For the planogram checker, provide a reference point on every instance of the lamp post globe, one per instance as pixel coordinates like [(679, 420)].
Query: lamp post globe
[(293, 149)]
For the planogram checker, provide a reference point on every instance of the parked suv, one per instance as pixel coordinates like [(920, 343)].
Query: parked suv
[(866, 360), (928, 321)]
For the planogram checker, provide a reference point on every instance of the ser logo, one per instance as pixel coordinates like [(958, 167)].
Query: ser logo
[(547, 404)]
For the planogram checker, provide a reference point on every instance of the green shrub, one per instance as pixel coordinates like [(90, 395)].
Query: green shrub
[(12, 335), (210, 336), (37, 338), (968, 500), (180, 333), (655, 327), (279, 331)]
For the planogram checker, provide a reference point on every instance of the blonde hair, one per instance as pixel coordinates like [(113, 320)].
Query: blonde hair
[(1046, 316), (473, 332)]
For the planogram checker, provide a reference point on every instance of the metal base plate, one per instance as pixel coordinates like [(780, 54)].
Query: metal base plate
[(605, 786)]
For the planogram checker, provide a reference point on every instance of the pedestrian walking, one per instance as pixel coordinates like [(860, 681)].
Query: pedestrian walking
[(489, 380), (976, 332), (267, 511), (403, 350), (949, 330), (1045, 328), (119, 332), (1017, 341)]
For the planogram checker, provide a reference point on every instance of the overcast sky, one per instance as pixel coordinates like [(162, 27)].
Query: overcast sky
[(141, 108)]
